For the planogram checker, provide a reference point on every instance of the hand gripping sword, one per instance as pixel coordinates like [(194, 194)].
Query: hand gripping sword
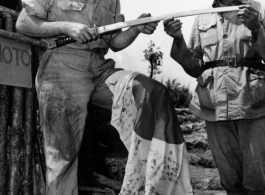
[(116, 26)]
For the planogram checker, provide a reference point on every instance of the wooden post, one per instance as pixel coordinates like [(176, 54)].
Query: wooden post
[(4, 119), (18, 107), (15, 129), (27, 188), (15, 141)]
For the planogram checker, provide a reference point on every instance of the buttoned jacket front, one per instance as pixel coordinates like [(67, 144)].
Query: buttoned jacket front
[(224, 93)]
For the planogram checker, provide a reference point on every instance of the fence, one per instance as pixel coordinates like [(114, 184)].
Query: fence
[(22, 164)]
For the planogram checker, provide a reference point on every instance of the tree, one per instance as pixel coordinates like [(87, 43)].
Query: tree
[(181, 95), (155, 57)]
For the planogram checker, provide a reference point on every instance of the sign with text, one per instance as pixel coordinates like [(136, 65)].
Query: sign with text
[(15, 63)]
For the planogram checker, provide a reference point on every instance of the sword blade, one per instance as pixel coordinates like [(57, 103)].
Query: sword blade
[(129, 23), (117, 26)]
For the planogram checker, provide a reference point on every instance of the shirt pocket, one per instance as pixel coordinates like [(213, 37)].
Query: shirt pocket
[(205, 90), (208, 34), (107, 14), (244, 34), (71, 5), (256, 82)]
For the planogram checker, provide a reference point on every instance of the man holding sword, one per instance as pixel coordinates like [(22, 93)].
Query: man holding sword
[(72, 75), (225, 54)]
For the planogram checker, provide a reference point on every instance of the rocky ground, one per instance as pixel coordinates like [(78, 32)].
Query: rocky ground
[(205, 176), (102, 160)]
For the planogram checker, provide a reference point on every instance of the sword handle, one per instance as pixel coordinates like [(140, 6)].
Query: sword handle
[(60, 42), (66, 40)]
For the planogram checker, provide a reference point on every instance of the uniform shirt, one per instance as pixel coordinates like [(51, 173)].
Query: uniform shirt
[(88, 12), (224, 93)]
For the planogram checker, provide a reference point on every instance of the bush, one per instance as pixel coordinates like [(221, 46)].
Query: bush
[(180, 95)]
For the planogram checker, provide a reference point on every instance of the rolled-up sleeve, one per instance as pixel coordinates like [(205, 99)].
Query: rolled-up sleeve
[(37, 8), (118, 16)]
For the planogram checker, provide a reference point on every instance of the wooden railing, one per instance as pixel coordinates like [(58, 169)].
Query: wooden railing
[(22, 164), (8, 14)]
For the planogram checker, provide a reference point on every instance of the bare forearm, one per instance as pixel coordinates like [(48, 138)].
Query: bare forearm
[(123, 39), (36, 27)]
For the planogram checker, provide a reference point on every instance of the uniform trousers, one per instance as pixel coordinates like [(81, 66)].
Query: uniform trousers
[(238, 148), (67, 80)]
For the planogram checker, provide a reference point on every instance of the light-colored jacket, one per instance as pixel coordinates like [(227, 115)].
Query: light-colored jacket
[(224, 93)]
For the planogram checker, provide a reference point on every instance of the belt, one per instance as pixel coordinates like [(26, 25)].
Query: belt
[(235, 62)]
